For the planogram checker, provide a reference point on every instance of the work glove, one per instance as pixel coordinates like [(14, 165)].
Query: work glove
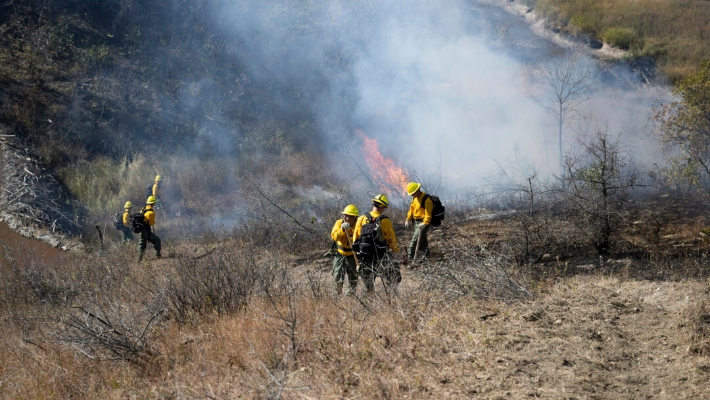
[(345, 226), (406, 224), (421, 226)]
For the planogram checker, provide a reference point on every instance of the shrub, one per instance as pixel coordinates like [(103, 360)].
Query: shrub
[(475, 271), (583, 23), (619, 37), (597, 188), (218, 283)]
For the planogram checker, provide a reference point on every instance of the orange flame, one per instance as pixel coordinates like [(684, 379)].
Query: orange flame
[(385, 173)]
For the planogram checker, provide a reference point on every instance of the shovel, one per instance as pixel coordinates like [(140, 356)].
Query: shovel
[(416, 250), (357, 264)]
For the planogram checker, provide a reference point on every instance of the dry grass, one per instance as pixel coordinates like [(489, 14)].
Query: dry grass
[(699, 327), (583, 332), (412, 347)]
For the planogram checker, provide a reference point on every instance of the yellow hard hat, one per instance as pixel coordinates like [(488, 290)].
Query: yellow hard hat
[(151, 200), (381, 199), (412, 187), (128, 205), (158, 178), (351, 210)]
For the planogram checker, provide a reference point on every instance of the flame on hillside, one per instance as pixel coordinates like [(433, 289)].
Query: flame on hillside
[(391, 179)]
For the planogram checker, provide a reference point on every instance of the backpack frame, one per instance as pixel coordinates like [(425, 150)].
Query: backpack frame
[(439, 211), (118, 221), (370, 243), (138, 222)]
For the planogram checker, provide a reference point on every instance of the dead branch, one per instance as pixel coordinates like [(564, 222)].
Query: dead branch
[(467, 271), (258, 189)]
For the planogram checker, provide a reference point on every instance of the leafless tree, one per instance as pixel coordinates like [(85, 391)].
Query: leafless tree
[(566, 82), (598, 186)]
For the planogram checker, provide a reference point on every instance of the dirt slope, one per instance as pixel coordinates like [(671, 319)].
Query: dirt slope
[(588, 338)]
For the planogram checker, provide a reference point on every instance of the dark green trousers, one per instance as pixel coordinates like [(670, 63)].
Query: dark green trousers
[(423, 242), (127, 234), (385, 268), (148, 236), (342, 266)]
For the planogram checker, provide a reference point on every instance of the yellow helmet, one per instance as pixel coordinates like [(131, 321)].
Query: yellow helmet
[(412, 187), (151, 200), (128, 205), (382, 200), (351, 210), (158, 178)]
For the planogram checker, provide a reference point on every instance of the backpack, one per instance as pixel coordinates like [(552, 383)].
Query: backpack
[(118, 221), (371, 242), (439, 211), (138, 222)]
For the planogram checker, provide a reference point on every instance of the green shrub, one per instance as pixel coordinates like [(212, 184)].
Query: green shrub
[(582, 23), (619, 37), (658, 51)]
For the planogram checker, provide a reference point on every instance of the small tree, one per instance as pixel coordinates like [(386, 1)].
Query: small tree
[(598, 189), (566, 83), (685, 125)]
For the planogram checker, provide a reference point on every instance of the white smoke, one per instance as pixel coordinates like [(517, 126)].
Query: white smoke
[(429, 80)]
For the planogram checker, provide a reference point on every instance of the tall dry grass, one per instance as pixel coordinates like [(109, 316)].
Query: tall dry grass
[(214, 194)]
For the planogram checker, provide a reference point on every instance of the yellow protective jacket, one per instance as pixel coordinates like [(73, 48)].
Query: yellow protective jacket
[(385, 225), (126, 218), (342, 238), (149, 215), (155, 189), (419, 213)]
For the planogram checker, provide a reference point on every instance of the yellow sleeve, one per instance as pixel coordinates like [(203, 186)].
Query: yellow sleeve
[(358, 227), (155, 190), (410, 213), (336, 232), (127, 219), (341, 237), (388, 233)]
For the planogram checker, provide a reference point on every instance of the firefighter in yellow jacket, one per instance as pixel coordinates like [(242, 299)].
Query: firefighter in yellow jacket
[(146, 234), (126, 219), (421, 215), (344, 261), (374, 260)]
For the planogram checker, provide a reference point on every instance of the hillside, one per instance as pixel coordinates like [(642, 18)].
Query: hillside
[(265, 119), (106, 96)]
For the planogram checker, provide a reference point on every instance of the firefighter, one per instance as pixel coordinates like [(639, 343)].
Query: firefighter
[(373, 236), (147, 235), (421, 215), (344, 261), (126, 219)]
